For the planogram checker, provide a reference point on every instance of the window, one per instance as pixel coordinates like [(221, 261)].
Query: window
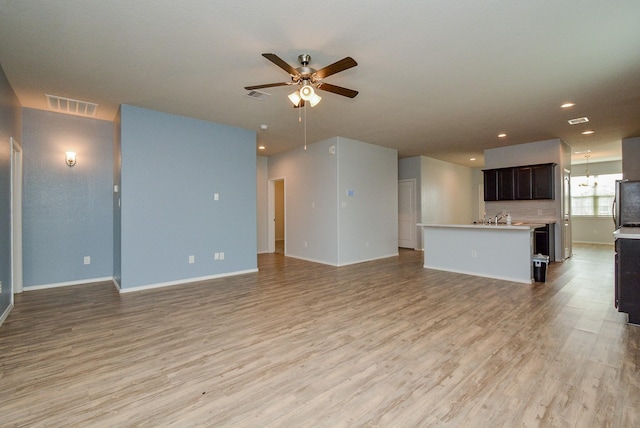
[(593, 195)]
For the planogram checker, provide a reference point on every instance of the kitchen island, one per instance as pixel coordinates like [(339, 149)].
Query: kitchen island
[(488, 250)]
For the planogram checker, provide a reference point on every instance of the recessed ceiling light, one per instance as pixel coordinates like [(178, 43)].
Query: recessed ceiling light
[(261, 147), (578, 120), (582, 151), (588, 132), (502, 135), (567, 105), (472, 159)]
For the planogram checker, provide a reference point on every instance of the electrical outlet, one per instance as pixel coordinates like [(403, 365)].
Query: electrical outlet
[(87, 260), (216, 196), (539, 212), (222, 255), (305, 244), (216, 256), (192, 259), (474, 253)]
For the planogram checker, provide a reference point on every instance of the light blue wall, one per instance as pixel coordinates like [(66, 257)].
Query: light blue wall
[(117, 220), (171, 168), (67, 211), (9, 127)]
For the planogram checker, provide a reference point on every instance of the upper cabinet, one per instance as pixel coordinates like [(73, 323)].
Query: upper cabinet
[(491, 185), (519, 183), (542, 184)]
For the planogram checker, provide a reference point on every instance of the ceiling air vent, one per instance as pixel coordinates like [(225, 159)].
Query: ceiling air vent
[(69, 106), (257, 95), (578, 120)]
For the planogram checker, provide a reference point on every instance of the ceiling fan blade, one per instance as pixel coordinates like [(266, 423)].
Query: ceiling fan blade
[(300, 104), (337, 90), (336, 67), (266, 85), (281, 63)]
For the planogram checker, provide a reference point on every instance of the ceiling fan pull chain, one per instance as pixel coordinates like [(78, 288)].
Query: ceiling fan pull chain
[(305, 126)]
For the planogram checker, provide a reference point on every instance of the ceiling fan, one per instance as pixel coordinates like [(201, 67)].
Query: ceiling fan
[(308, 78)]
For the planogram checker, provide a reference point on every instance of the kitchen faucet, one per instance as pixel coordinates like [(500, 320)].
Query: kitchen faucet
[(498, 217)]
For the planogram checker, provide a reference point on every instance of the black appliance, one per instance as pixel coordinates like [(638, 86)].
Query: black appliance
[(626, 215), (626, 204)]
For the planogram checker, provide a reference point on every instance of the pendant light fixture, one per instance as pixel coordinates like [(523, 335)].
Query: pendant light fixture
[(587, 177)]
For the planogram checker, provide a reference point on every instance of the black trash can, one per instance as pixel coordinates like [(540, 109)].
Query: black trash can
[(540, 263)]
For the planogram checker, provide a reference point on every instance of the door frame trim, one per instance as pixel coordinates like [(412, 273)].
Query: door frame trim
[(271, 213), (16, 217)]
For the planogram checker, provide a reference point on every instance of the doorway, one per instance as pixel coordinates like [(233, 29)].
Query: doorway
[(566, 217), (16, 217), (277, 216), (407, 213)]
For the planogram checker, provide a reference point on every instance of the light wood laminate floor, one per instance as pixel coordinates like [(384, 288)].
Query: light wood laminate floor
[(298, 344)]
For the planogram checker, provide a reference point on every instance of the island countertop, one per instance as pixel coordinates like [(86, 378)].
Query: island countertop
[(495, 251), (501, 226)]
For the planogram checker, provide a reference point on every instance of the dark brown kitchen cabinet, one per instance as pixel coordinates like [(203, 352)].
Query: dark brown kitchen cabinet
[(542, 186), (525, 182), (627, 278), (505, 184), (491, 185)]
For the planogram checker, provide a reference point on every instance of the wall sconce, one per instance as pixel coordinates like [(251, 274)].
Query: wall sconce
[(70, 158)]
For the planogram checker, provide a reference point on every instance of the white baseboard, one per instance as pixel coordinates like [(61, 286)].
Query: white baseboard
[(66, 284), (184, 281), (6, 313), (341, 264), (369, 260)]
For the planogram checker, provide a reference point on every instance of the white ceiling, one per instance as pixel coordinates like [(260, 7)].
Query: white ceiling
[(436, 78)]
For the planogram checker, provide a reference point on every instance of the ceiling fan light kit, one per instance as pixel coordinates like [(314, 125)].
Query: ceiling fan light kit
[(295, 98), (309, 79)]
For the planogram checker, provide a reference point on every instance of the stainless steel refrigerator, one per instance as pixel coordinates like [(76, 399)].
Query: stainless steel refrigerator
[(626, 204)]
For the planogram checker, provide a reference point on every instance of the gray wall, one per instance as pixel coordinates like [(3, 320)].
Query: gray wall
[(311, 182), (446, 192), (368, 195), (66, 210), (171, 168), (9, 127), (323, 222), (631, 158)]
